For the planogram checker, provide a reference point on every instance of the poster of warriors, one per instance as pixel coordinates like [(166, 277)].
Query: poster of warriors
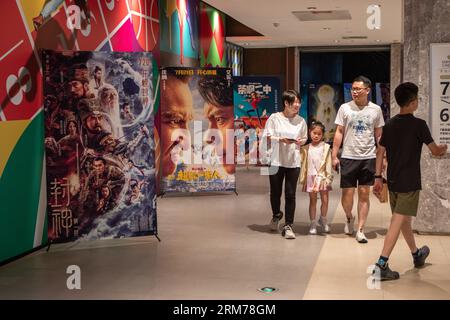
[(99, 144), (197, 130)]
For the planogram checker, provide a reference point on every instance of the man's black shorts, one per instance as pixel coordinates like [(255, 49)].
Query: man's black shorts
[(357, 172)]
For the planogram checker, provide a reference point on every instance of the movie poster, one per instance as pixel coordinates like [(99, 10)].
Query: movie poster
[(197, 136), (255, 99), (383, 94), (324, 101), (99, 144)]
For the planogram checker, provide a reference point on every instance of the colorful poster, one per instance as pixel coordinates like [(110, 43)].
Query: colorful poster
[(29, 26), (197, 136), (99, 144), (383, 99), (179, 32), (255, 99), (324, 101)]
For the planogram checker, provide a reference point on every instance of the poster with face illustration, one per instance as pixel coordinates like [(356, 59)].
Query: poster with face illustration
[(197, 130), (323, 102), (99, 144)]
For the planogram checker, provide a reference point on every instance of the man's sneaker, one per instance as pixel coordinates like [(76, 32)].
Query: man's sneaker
[(323, 223), (384, 274), (287, 232), (361, 237), (275, 222), (419, 260), (349, 226), (313, 228)]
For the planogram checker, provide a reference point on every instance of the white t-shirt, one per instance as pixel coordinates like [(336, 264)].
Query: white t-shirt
[(359, 125), (279, 126), (315, 156)]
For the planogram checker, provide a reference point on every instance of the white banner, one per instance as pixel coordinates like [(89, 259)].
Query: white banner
[(440, 92)]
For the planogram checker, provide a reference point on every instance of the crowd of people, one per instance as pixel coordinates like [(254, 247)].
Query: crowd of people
[(367, 141)]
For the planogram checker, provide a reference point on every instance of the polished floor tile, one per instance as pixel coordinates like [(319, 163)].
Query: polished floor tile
[(219, 246)]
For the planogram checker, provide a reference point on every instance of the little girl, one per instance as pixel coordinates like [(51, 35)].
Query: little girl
[(316, 175)]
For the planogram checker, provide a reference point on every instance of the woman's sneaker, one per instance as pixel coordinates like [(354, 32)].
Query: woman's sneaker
[(275, 222), (288, 233), (419, 259), (323, 223), (313, 228)]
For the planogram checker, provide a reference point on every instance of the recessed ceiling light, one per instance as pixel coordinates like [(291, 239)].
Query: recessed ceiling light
[(311, 8), (337, 41), (378, 40), (326, 28)]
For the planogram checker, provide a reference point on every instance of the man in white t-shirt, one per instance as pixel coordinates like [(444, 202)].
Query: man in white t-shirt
[(359, 127)]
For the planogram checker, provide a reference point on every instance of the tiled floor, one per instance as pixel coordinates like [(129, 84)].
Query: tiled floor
[(219, 247)]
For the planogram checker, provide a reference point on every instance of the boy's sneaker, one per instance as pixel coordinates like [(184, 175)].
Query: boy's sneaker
[(349, 225), (361, 237), (419, 259), (384, 274), (312, 228), (275, 222), (323, 223), (288, 233)]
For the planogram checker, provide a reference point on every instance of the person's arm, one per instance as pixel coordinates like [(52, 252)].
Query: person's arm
[(301, 140), (378, 132), (437, 150), (377, 187), (338, 136)]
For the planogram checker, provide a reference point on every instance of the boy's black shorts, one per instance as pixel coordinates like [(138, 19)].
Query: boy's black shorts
[(357, 172)]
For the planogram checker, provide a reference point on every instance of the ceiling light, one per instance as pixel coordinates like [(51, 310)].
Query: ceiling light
[(311, 8), (378, 40), (326, 28)]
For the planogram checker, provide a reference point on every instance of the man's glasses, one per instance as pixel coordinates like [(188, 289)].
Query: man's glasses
[(356, 90)]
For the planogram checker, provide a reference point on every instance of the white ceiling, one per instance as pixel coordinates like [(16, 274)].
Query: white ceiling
[(261, 15)]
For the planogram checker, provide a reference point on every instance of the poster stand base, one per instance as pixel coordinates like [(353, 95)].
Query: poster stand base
[(50, 242), (49, 245)]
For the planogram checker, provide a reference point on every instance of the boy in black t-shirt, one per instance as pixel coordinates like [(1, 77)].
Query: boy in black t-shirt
[(402, 141)]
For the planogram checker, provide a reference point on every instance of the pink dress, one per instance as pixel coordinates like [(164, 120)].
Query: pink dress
[(315, 156)]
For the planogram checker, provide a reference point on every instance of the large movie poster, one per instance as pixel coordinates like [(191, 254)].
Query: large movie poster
[(255, 99), (324, 101), (197, 136), (99, 144)]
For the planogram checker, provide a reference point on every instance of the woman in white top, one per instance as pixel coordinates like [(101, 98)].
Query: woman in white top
[(285, 132)]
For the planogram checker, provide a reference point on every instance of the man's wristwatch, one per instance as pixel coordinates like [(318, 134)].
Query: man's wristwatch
[(378, 176)]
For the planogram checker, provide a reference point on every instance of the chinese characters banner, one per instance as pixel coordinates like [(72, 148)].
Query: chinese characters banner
[(255, 99), (99, 144), (197, 136)]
